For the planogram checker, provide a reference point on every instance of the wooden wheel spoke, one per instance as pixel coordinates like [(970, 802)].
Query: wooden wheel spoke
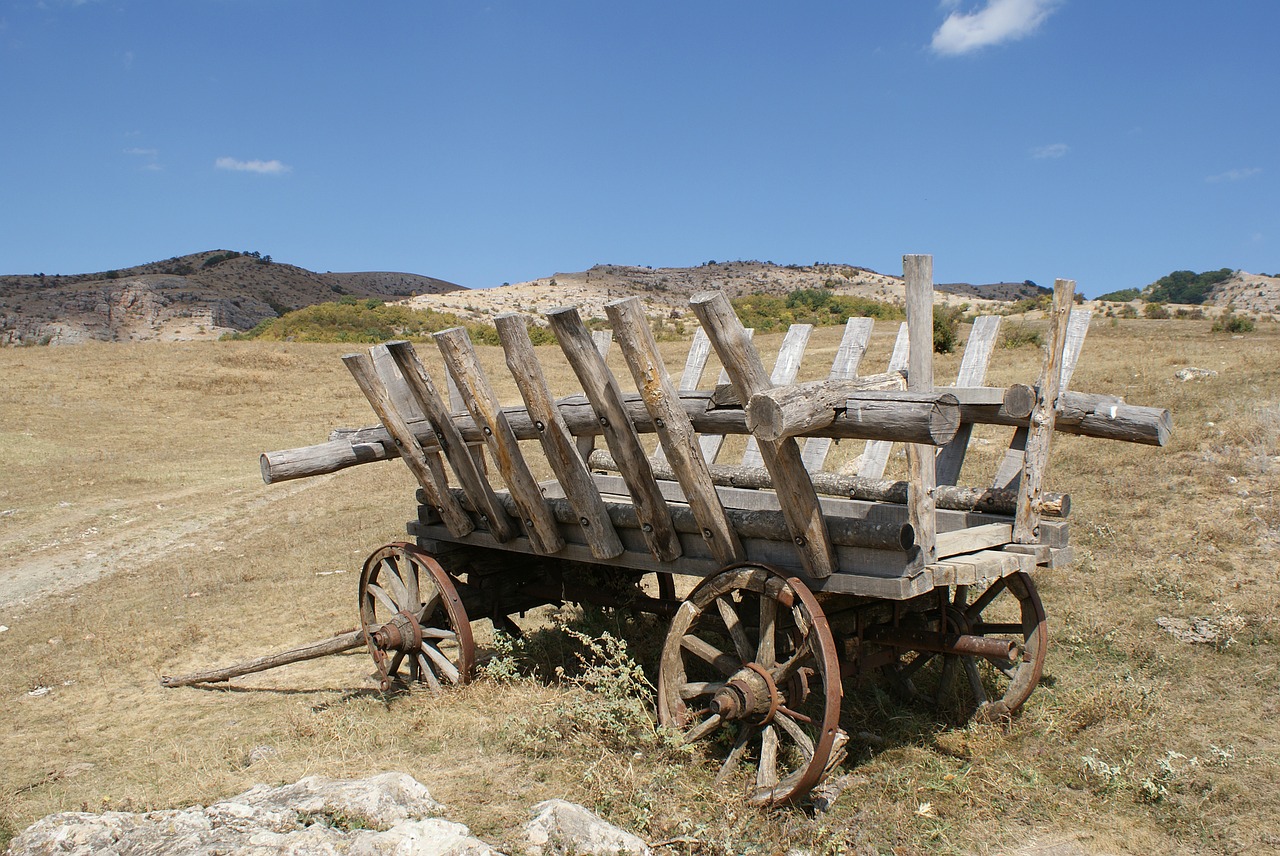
[(737, 632), (438, 633), (1008, 668), (424, 669), (767, 772), (997, 629), (395, 584), (385, 599), (702, 729), (803, 653), (766, 651), (410, 579), (442, 663), (693, 689), (796, 715), (947, 681), (796, 733), (922, 658), (961, 595), (711, 654), (975, 609), (396, 660), (975, 680), (734, 759)]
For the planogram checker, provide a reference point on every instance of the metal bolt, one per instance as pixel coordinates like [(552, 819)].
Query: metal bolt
[(439, 435), (800, 541), (604, 421), (529, 523), (487, 430), (539, 426), (584, 521), (660, 423), (706, 533), (647, 527)]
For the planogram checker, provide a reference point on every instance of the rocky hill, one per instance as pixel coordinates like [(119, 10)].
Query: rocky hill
[(666, 291), (196, 296), (1248, 292)]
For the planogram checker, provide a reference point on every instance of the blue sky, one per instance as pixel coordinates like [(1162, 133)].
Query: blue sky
[(483, 142)]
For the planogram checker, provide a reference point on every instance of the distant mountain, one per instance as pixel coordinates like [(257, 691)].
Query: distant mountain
[(1010, 291), (196, 296)]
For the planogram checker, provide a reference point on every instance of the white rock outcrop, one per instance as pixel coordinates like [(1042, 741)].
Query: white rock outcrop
[(561, 828)]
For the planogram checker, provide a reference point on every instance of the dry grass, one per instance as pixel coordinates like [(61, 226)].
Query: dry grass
[(137, 464)]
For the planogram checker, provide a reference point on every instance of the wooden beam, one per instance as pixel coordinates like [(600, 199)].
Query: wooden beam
[(782, 458), (675, 431), (557, 441), (461, 361), (602, 390), (917, 271)]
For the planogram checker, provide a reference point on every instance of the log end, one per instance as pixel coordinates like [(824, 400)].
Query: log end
[(264, 464), (765, 418), (944, 420), (1164, 427), (1019, 400)]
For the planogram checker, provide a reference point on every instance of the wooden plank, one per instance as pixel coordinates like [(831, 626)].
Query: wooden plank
[(782, 458), (785, 369), (553, 434), (875, 458), (602, 390), (1010, 469), (432, 479), (1036, 456), (917, 270), (973, 372), (853, 344), (675, 431), (712, 443), (454, 447), (461, 361), (975, 538)]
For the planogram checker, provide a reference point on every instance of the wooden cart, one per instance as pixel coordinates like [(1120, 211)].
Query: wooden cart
[(807, 577)]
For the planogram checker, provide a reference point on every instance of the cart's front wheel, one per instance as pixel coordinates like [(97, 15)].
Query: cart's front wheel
[(988, 687), (413, 620), (749, 663)]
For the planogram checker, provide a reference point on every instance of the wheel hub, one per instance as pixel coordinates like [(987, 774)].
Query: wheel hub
[(749, 694), (401, 633)]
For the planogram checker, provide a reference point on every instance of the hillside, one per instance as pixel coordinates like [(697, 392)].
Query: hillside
[(1248, 292), (666, 291), (196, 296)]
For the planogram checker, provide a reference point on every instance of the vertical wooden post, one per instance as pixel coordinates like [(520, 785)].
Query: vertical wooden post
[(571, 471), (602, 391), (461, 361), (1036, 458), (917, 270), (631, 328), (973, 371), (796, 496), (857, 331)]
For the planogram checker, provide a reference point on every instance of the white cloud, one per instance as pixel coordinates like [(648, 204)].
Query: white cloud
[(1053, 150), (996, 22), (1235, 174), (151, 156), (271, 167)]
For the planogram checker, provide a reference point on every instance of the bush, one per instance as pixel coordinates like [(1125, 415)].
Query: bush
[(817, 306), (1155, 310), (1124, 295), (1020, 335), (1184, 286), (946, 323), (1232, 323)]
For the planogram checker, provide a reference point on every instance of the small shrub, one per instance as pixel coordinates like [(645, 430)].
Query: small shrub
[(1232, 323), (1020, 335), (1155, 310), (946, 323)]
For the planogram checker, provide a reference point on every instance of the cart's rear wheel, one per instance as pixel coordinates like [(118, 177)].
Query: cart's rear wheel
[(749, 663), (961, 685), (413, 620)]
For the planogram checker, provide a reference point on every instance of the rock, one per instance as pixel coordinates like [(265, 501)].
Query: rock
[(260, 753), (1193, 373), (382, 814), (561, 828)]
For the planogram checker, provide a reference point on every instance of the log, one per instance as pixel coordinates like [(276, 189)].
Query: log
[(765, 525), (323, 648), (1084, 414), (853, 344), (878, 410), (950, 497)]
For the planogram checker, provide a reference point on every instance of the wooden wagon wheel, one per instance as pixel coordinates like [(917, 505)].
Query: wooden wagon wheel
[(991, 688), (411, 616), (750, 661)]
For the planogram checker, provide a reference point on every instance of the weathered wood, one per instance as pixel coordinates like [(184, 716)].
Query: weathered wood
[(1036, 456), (461, 361), (785, 369), (973, 372), (761, 524), (712, 442), (323, 648), (973, 539), (782, 458), (603, 341), (432, 480), (950, 497), (450, 439), (853, 344), (917, 271), (1010, 469), (557, 442), (601, 388), (675, 430), (1083, 414), (875, 457), (694, 365), (788, 411)]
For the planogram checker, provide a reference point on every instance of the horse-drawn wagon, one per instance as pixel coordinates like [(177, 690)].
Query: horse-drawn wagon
[(806, 577)]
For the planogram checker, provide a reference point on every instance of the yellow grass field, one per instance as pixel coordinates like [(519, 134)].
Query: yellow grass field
[(137, 539)]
